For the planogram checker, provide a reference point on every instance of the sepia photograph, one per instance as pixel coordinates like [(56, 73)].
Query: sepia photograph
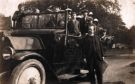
[(67, 42)]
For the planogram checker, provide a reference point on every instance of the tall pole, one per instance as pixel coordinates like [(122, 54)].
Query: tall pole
[(66, 25)]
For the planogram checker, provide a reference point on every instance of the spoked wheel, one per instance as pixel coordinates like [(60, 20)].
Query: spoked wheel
[(28, 72)]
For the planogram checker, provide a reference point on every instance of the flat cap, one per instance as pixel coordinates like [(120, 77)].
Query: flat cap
[(90, 13), (95, 20), (85, 10)]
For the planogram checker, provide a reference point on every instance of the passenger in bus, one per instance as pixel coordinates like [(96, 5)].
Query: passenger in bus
[(51, 22), (17, 17), (74, 25), (84, 22)]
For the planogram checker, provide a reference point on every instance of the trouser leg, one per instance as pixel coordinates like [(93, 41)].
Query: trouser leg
[(92, 78), (99, 74), (91, 74)]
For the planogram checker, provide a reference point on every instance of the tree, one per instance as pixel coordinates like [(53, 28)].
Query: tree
[(131, 36), (107, 11), (4, 22)]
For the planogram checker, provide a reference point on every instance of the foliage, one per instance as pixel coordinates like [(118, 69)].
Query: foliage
[(107, 11), (122, 35), (4, 22), (131, 34)]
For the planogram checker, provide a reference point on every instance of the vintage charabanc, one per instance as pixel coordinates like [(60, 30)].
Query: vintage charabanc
[(39, 48)]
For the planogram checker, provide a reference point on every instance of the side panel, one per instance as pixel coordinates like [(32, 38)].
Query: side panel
[(0, 51), (65, 58)]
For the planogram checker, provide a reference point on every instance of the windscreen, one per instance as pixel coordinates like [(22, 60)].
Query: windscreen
[(25, 43)]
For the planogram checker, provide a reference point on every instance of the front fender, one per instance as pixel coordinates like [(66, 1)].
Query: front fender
[(26, 54)]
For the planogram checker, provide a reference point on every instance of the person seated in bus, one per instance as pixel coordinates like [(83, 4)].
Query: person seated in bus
[(17, 17), (52, 21), (61, 23)]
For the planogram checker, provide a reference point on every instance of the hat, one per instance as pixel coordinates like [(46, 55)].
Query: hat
[(90, 19), (83, 11), (68, 9), (95, 20), (90, 13)]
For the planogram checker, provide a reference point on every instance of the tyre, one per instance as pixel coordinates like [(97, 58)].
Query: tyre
[(28, 72)]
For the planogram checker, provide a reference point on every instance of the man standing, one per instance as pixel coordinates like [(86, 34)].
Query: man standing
[(84, 22), (94, 55), (74, 25), (98, 27)]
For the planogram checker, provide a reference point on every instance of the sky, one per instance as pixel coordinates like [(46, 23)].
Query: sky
[(128, 12), (7, 7)]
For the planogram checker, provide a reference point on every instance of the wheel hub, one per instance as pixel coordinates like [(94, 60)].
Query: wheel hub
[(30, 75), (32, 81)]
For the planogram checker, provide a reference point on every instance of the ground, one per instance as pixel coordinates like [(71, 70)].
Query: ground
[(120, 71)]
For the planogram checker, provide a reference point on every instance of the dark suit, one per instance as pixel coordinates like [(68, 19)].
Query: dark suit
[(74, 27), (83, 26), (93, 52), (17, 18), (84, 22)]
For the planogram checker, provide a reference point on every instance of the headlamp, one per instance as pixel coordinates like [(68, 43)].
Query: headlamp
[(7, 53)]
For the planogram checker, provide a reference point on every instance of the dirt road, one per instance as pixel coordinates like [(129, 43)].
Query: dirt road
[(119, 71)]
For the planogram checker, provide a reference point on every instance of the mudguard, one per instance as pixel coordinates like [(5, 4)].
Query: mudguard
[(25, 55)]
